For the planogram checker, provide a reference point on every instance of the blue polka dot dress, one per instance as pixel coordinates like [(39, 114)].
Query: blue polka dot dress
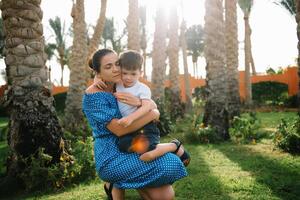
[(125, 170)]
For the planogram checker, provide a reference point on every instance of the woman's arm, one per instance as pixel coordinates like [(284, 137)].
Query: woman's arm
[(147, 106), (128, 98), (120, 130)]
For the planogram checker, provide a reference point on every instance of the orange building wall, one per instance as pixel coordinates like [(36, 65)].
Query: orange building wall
[(289, 77)]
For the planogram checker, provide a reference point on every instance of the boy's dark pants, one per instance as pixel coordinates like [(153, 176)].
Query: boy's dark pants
[(150, 132)]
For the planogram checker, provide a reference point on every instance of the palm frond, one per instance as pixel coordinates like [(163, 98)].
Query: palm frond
[(288, 5)]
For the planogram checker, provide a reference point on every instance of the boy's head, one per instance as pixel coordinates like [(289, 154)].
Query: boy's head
[(131, 67), (131, 60)]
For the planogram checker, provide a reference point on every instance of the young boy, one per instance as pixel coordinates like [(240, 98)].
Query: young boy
[(148, 137)]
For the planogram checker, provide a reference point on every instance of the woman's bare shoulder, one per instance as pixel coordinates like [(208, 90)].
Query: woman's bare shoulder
[(92, 89)]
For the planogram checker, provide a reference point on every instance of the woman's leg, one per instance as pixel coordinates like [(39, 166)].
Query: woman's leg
[(117, 194), (164, 192), (160, 150)]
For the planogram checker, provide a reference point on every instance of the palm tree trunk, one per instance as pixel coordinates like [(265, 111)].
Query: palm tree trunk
[(297, 3), (62, 76), (96, 38), (143, 42), (95, 41), (250, 51), (133, 26), (33, 123), (187, 85), (173, 54), (248, 87), (74, 119), (231, 36), (215, 113), (252, 61), (159, 55)]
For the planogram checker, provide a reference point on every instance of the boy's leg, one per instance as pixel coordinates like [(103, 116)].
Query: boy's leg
[(160, 150)]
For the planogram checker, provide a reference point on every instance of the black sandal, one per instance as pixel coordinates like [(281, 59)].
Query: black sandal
[(185, 157), (108, 191)]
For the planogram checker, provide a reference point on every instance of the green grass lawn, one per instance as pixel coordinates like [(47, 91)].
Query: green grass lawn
[(223, 171)]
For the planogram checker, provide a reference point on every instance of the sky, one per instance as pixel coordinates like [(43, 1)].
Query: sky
[(274, 39)]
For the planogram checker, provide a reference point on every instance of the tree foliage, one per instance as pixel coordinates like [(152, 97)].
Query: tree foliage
[(195, 41)]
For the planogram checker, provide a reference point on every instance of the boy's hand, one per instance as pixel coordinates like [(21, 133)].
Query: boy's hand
[(99, 83), (125, 121)]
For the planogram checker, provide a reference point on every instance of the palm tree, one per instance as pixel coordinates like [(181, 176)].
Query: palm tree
[(73, 119), (159, 55), (96, 38), (194, 38), (110, 35), (215, 113), (143, 42), (79, 72), (187, 87), (33, 123), (133, 26), (60, 45), (246, 6), (231, 38), (1, 38), (173, 54), (293, 7)]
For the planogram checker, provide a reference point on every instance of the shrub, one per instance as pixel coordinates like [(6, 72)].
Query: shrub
[(40, 173), (291, 102), (59, 102), (3, 111), (3, 133), (269, 93), (287, 135), (200, 93), (173, 105), (165, 124), (245, 128), (202, 134)]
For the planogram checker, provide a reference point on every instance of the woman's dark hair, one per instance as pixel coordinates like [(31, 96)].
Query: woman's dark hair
[(95, 61)]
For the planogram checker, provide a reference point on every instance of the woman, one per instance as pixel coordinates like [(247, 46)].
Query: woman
[(125, 170)]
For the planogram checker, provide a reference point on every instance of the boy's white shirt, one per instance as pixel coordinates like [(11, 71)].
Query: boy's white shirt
[(139, 90)]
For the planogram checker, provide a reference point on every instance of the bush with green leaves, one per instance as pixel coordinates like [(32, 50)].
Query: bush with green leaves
[(291, 102), (200, 93), (287, 135), (197, 132), (165, 124), (59, 102), (40, 173), (269, 93), (245, 128), (201, 134)]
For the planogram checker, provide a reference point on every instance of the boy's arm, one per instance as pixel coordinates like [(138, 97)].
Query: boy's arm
[(147, 106)]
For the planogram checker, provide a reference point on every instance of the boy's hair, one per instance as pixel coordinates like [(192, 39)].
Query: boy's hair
[(131, 60)]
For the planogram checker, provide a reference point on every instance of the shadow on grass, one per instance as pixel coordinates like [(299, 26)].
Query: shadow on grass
[(89, 189), (281, 176), (200, 183)]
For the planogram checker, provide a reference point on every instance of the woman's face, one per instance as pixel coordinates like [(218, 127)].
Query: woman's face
[(109, 71)]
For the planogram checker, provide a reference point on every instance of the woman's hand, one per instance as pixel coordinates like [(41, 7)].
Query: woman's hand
[(99, 83), (127, 98)]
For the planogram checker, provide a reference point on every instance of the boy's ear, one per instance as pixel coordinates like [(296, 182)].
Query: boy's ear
[(142, 73)]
